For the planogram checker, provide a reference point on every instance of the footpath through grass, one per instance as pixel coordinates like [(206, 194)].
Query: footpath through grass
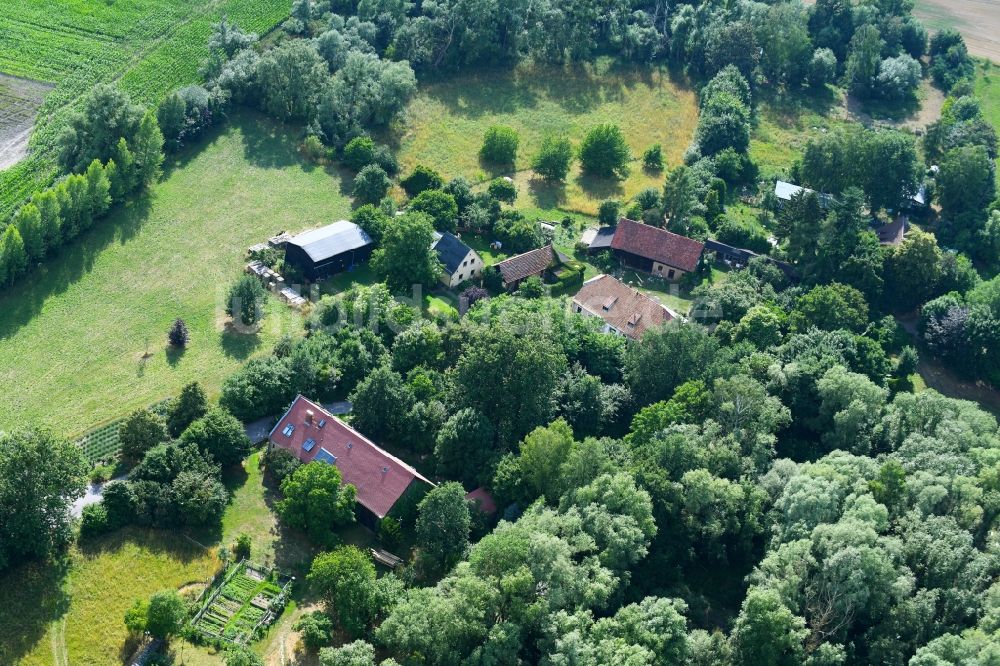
[(444, 125), (83, 339)]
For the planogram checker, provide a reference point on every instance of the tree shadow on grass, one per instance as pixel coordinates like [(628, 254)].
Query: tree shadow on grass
[(547, 194), (22, 302), (174, 354), (239, 344), (601, 187), (159, 541), (32, 596)]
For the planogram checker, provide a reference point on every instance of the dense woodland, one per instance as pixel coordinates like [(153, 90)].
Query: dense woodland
[(759, 484)]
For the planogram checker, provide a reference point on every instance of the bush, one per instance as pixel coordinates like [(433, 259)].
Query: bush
[(139, 432), (241, 547), (474, 294), (220, 435), (316, 629), (389, 532), (554, 158), (422, 178), (652, 159), (604, 152), (245, 300), (608, 212), (178, 334), (371, 184), (94, 521), (281, 463), (440, 206), (502, 189), (499, 145), (822, 68), (359, 152)]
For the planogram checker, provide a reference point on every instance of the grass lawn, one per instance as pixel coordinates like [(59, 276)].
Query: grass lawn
[(444, 125), (77, 619), (84, 337), (783, 129)]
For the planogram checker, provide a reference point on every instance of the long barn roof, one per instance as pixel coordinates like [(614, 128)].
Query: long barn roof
[(331, 240)]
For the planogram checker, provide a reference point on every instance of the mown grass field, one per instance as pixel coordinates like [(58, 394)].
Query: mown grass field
[(83, 339), (444, 125), (77, 618), (149, 47)]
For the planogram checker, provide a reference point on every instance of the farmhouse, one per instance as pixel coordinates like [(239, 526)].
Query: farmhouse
[(460, 261), (656, 251), (331, 249), (625, 310), (311, 434), (893, 232), (519, 268)]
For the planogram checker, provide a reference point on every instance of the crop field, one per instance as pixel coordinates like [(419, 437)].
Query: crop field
[(444, 125), (84, 339), (977, 20), (149, 46)]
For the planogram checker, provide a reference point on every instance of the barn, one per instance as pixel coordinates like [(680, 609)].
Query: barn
[(331, 249)]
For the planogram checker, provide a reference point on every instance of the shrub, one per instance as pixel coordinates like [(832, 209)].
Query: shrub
[(281, 463), (604, 152), (554, 158), (178, 334), (389, 532), (502, 189), (474, 294), (245, 300), (499, 145), (440, 206), (652, 159), (316, 629), (188, 407), (219, 434), (241, 547), (371, 184), (139, 432), (94, 521), (359, 152), (422, 178), (531, 288), (607, 213)]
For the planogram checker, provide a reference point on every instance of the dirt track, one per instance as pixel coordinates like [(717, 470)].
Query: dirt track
[(977, 20), (19, 102)]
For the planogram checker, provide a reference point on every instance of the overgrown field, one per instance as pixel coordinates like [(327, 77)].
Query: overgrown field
[(84, 339), (444, 125), (149, 46), (76, 619)]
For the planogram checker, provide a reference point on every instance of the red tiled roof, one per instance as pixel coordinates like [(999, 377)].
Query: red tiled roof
[(381, 478), (621, 306), (657, 244), (525, 265), (483, 500)]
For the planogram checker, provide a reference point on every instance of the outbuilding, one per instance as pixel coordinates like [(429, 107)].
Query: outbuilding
[(328, 250)]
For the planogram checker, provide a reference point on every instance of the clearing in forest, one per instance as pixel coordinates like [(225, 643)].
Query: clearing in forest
[(444, 125)]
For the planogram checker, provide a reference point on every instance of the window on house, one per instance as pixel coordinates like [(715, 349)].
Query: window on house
[(459, 277), (322, 422), (308, 445), (659, 269), (289, 429), (671, 273)]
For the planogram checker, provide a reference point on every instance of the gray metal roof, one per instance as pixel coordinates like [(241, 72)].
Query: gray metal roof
[(331, 240), (450, 250)]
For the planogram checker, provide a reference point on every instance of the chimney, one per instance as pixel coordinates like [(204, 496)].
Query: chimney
[(309, 416)]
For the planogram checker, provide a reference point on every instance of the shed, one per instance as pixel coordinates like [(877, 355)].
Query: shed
[(331, 249)]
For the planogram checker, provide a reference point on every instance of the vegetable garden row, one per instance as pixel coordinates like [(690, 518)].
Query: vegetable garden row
[(248, 600)]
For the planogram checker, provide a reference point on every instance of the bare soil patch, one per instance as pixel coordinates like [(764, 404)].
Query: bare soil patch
[(977, 20), (923, 113), (19, 103)]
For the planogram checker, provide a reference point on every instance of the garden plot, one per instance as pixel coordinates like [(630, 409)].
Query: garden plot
[(247, 601), (20, 100)]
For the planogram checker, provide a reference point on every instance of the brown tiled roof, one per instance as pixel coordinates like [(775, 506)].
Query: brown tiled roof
[(657, 244), (315, 434), (621, 306), (525, 265)]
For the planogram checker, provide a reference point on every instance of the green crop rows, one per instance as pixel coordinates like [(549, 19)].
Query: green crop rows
[(149, 46), (101, 444)]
